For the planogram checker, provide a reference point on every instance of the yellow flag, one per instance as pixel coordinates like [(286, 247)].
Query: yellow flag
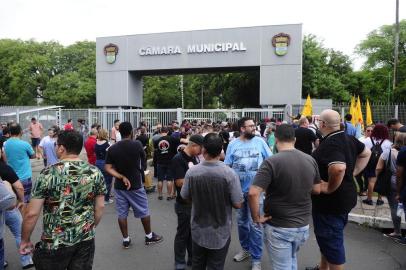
[(308, 108), (369, 114), (353, 110), (359, 118)]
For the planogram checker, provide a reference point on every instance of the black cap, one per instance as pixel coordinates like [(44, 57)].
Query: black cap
[(197, 139)]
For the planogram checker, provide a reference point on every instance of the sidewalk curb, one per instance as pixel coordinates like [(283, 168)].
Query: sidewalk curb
[(374, 222)]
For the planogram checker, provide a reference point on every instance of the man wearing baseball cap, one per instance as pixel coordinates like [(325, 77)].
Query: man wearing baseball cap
[(181, 162)]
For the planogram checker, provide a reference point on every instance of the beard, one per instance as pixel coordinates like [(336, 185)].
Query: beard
[(249, 136)]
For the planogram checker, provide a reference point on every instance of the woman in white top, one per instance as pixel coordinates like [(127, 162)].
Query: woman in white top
[(379, 137), (362, 181), (400, 141)]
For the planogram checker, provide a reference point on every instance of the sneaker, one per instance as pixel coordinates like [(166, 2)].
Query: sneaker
[(28, 266), (393, 236), (154, 239), (110, 201), (369, 202), (242, 255), (313, 267), (401, 241), (160, 198), (126, 244), (256, 266), (379, 202)]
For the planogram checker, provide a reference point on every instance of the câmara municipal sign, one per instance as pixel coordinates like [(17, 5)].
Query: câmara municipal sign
[(193, 49)]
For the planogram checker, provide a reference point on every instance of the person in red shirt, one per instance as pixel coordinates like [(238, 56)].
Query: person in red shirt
[(69, 125), (89, 147)]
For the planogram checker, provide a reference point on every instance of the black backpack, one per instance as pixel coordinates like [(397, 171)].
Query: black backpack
[(376, 152)]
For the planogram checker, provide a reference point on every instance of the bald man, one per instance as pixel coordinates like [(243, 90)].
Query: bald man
[(339, 157)]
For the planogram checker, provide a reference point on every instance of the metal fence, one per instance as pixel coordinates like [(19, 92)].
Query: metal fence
[(106, 117), (381, 113)]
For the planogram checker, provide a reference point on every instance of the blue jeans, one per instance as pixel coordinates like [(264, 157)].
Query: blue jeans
[(14, 220), (250, 234), (108, 179), (283, 244), (1, 254)]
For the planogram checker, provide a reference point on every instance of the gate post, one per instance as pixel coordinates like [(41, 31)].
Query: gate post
[(179, 115)]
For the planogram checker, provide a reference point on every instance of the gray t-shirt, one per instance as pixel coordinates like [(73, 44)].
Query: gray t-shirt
[(7, 199), (288, 178), (213, 188)]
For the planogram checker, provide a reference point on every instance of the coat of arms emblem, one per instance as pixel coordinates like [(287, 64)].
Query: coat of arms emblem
[(281, 42), (111, 51)]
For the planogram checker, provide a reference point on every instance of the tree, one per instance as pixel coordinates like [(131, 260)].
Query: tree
[(378, 50)]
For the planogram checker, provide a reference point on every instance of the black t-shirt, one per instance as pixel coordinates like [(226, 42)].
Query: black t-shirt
[(7, 173), (401, 162), (143, 138), (304, 140), (128, 158), (337, 147), (166, 149), (3, 139), (179, 165)]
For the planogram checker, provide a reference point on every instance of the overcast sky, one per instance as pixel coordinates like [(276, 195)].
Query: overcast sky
[(341, 24)]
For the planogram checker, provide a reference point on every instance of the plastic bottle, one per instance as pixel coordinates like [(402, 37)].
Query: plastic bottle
[(400, 210)]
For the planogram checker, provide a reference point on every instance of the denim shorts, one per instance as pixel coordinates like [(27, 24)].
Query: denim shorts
[(136, 199), (329, 231), (164, 173)]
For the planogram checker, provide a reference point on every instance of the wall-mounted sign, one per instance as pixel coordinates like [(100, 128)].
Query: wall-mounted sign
[(193, 48), (111, 51), (281, 42)]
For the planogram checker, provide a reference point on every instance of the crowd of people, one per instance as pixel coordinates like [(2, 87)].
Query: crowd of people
[(277, 175)]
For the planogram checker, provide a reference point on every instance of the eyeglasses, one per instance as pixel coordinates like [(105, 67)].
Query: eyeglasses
[(369, 130), (250, 126)]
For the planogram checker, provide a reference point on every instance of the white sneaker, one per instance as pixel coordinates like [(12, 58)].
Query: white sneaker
[(242, 255), (110, 201), (256, 266)]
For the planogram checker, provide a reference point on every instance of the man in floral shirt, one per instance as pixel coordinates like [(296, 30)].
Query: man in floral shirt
[(71, 193)]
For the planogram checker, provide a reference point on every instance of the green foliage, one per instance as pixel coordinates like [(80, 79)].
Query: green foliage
[(378, 49), (47, 70)]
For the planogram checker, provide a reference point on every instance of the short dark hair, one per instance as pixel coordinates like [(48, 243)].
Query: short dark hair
[(125, 129), (15, 129), (392, 122), (310, 119), (69, 120), (6, 130), (285, 133), (71, 140), (213, 144), (33, 119), (163, 130), (348, 117), (242, 121), (117, 120)]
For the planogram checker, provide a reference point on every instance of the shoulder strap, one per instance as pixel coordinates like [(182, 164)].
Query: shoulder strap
[(373, 143), (381, 142)]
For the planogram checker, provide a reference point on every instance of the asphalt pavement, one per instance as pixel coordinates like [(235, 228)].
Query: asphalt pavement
[(366, 248)]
